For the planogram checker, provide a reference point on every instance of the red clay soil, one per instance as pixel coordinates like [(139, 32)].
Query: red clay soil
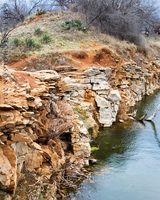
[(96, 57), (22, 63), (23, 77), (82, 59)]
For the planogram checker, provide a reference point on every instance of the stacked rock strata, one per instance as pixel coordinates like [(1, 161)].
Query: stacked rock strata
[(39, 133), (47, 119), (91, 89), (133, 83)]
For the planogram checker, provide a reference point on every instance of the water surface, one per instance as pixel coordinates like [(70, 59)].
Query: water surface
[(129, 161)]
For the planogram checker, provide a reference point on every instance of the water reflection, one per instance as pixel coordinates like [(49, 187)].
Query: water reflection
[(149, 105), (156, 135), (114, 146)]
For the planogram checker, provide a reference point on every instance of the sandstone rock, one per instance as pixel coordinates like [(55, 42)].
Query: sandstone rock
[(136, 76), (28, 114), (20, 137), (101, 76), (33, 116), (5, 107), (47, 75), (69, 80), (10, 125), (6, 116), (96, 80), (101, 102), (82, 128), (114, 96), (38, 102), (52, 156), (124, 86), (92, 72), (102, 85), (65, 68), (8, 167), (3, 138), (125, 82), (8, 197), (105, 117), (33, 160), (97, 71), (36, 146), (81, 149), (103, 93), (36, 117), (21, 150), (86, 80)]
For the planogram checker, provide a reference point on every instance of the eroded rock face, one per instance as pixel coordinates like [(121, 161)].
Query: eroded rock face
[(39, 132), (8, 169), (47, 120), (133, 82), (92, 86)]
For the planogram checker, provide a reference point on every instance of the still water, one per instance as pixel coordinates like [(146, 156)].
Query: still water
[(129, 160)]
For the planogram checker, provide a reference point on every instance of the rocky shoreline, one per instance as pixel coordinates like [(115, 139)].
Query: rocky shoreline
[(47, 120)]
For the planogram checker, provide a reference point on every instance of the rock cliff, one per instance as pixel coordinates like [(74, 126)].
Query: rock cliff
[(47, 120), (39, 132)]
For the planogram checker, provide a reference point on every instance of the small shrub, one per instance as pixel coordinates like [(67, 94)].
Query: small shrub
[(17, 42), (82, 113), (76, 24), (38, 31), (94, 149), (37, 46), (30, 43), (46, 38)]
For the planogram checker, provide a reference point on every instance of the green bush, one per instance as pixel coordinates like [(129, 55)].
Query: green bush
[(46, 38), (38, 31), (94, 149), (17, 42), (76, 24), (31, 43)]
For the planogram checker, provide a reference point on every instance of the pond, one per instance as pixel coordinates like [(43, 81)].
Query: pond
[(128, 160)]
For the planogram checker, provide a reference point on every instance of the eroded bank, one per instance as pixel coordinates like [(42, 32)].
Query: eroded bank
[(47, 120)]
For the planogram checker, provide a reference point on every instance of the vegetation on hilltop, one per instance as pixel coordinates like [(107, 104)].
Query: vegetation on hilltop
[(118, 25), (122, 18)]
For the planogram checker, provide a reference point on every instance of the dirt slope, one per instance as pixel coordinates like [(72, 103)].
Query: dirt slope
[(71, 47)]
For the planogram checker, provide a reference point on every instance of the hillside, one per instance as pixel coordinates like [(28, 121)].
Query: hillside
[(51, 42)]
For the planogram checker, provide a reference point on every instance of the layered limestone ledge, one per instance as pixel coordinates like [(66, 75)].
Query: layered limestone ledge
[(92, 92), (133, 83), (40, 134), (47, 119)]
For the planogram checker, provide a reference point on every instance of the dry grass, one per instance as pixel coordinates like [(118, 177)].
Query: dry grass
[(50, 23), (154, 43), (116, 43), (63, 39)]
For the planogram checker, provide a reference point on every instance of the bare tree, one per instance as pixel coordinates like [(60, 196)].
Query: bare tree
[(124, 19), (15, 11), (62, 4), (11, 13)]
